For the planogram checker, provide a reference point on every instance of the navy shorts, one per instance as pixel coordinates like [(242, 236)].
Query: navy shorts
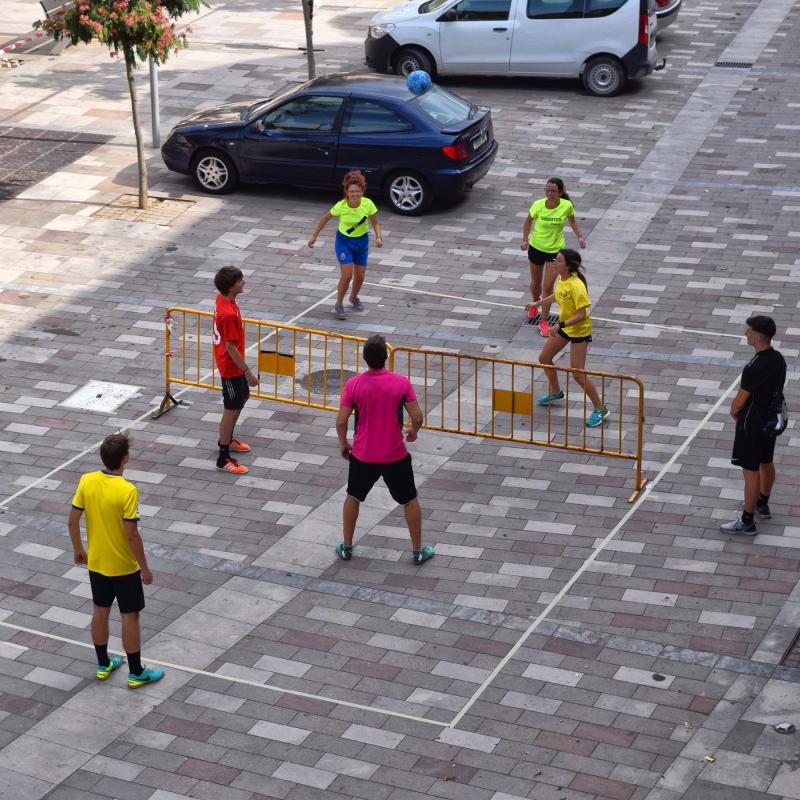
[(352, 249), (127, 589), (539, 257), (235, 392), (577, 339), (397, 475), (750, 451)]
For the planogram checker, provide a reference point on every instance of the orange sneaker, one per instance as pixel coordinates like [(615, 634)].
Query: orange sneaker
[(544, 329), (239, 447), (232, 465)]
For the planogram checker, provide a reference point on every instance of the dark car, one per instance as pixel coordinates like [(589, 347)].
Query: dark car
[(412, 147)]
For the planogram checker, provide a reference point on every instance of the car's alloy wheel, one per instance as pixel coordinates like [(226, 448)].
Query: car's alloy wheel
[(215, 173), (603, 76), (408, 194)]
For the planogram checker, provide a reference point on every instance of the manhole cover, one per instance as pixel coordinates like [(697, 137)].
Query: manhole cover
[(326, 381)]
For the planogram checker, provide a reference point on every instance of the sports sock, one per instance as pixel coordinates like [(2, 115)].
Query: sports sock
[(102, 654), (135, 662), (748, 517), (224, 454)]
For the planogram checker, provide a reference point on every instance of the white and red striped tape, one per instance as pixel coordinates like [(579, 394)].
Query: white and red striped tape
[(23, 42)]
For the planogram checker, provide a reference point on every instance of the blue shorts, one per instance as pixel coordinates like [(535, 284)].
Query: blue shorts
[(352, 249)]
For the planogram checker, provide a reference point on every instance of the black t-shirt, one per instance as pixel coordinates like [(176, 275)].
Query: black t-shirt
[(764, 375)]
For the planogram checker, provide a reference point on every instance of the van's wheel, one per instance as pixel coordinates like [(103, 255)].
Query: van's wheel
[(408, 194), (214, 172), (410, 59), (603, 76)]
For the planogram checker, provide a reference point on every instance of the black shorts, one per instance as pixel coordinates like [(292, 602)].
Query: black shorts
[(397, 475), (235, 392), (127, 589), (539, 256), (575, 339), (751, 451)]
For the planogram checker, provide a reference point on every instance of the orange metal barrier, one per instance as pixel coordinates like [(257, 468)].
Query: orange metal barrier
[(495, 398), (300, 366), (473, 395)]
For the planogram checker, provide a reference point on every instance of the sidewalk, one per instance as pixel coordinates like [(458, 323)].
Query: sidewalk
[(295, 675)]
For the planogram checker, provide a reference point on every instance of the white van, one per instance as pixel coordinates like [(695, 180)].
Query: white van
[(604, 42)]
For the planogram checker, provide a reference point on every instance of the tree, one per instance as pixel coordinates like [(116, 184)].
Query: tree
[(308, 22), (139, 29)]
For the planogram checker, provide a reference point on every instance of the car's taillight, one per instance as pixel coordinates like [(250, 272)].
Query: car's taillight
[(458, 151), (644, 30)]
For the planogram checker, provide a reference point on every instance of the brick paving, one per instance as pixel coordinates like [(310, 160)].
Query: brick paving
[(307, 677)]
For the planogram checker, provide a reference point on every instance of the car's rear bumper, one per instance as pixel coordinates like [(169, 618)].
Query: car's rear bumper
[(378, 53), (454, 181), (640, 61), (668, 15)]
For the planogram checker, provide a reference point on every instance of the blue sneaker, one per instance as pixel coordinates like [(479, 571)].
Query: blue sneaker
[(147, 675), (597, 417), (344, 552), (421, 556), (102, 673), (547, 399), (356, 303)]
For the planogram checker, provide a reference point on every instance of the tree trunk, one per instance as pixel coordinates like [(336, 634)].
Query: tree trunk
[(308, 21), (129, 66)]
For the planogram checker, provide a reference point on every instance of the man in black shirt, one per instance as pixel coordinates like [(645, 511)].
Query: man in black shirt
[(764, 375)]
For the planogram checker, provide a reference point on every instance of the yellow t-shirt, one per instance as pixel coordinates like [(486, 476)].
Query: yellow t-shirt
[(108, 500), (548, 230), (571, 296), (354, 221)]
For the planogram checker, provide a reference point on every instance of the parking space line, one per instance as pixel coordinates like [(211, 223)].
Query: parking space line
[(579, 572), (232, 679), (143, 417), (622, 322)]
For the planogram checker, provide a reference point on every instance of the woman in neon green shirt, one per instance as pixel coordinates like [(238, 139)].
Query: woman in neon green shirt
[(543, 243), (574, 328), (352, 238)]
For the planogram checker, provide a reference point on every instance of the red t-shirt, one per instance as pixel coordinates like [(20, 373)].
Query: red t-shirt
[(228, 327)]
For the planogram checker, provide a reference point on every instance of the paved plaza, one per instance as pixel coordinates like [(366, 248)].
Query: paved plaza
[(563, 644)]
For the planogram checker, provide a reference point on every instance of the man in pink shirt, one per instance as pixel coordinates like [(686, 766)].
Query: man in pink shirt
[(378, 398)]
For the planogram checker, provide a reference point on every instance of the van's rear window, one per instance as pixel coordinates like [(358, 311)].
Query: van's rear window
[(443, 107)]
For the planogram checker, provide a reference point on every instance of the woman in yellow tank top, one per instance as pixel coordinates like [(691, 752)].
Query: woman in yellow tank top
[(574, 328)]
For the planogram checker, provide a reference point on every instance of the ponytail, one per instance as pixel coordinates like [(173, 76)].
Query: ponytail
[(560, 184), (573, 260)]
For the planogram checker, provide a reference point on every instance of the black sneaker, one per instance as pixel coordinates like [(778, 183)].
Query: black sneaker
[(762, 509), (739, 527)]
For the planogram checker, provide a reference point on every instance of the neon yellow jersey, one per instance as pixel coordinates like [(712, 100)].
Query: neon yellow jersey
[(354, 221), (571, 296), (108, 501), (548, 230)]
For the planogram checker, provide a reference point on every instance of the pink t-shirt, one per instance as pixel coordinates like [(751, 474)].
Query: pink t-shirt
[(377, 397)]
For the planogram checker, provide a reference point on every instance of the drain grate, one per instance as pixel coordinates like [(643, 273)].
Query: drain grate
[(734, 64), (792, 657)]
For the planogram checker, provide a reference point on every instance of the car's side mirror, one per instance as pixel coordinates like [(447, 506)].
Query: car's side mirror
[(451, 15), (262, 126)]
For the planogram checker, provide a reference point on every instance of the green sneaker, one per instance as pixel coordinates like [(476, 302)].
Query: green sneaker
[(597, 417), (344, 552), (548, 398), (421, 556), (102, 673), (147, 675)]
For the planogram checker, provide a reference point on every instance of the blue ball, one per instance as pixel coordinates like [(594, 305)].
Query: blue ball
[(418, 81)]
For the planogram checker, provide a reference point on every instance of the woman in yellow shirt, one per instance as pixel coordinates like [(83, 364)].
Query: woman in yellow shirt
[(574, 329), (352, 238)]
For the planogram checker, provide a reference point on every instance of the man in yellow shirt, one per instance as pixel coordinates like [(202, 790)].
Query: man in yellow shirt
[(116, 560)]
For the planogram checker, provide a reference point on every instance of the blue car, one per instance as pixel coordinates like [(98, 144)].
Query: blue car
[(413, 147)]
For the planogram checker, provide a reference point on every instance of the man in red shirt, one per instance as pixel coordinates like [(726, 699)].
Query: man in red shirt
[(237, 378), (378, 398)]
